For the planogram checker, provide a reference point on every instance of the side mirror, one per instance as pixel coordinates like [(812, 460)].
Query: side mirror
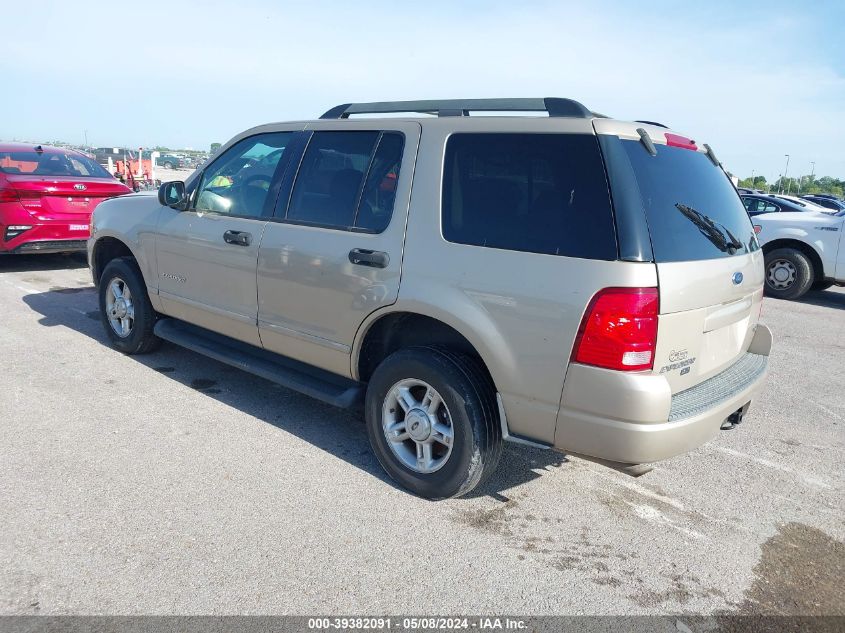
[(172, 194)]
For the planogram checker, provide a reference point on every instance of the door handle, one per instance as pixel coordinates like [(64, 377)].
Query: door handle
[(239, 238), (364, 257)]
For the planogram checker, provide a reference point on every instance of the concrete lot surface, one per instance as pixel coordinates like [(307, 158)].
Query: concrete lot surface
[(170, 483)]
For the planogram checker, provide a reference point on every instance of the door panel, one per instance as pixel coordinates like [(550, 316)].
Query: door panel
[(205, 280), (317, 283), (207, 256)]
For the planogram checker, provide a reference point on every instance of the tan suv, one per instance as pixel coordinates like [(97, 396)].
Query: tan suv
[(566, 280)]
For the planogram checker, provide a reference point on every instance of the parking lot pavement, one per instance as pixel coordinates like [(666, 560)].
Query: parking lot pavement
[(168, 175), (170, 483)]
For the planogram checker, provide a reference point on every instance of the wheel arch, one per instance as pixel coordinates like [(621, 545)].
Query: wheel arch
[(811, 253), (389, 330), (104, 250)]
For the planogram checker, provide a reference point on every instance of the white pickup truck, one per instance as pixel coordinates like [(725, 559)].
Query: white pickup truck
[(803, 251)]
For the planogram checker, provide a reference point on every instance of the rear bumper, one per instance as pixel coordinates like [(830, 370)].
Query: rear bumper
[(634, 418), (55, 236), (48, 246)]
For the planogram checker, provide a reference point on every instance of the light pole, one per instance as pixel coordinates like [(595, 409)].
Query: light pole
[(813, 172), (752, 180), (785, 171)]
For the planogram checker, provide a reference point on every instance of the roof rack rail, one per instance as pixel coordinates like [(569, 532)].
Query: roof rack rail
[(555, 106), (652, 123)]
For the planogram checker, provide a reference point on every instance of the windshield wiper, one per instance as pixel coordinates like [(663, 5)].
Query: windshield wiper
[(709, 229)]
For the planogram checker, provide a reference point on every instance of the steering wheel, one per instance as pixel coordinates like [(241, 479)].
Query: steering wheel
[(244, 195)]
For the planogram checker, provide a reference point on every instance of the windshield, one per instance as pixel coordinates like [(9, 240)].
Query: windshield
[(692, 209), (32, 163)]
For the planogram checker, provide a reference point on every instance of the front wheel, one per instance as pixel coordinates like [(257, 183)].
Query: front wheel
[(433, 422), (789, 273), (125, 308)]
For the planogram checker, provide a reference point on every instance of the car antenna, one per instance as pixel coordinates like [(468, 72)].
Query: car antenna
[(645, 139)]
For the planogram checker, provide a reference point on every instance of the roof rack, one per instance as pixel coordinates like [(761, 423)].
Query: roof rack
[(652, 123), (555, 106)]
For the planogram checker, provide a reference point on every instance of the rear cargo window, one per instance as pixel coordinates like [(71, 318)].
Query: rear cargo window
[(538, 193), (693, 210), (30, 162)]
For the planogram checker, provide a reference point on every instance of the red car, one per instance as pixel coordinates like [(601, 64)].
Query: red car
[(47, 195)]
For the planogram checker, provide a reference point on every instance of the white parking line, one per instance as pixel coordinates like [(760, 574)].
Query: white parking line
[(809, 479)]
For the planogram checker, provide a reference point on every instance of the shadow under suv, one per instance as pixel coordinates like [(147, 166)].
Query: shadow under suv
[(565, 280)]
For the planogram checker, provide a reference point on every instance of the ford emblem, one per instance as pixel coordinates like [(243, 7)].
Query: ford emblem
[(80, 187), (737, 279)]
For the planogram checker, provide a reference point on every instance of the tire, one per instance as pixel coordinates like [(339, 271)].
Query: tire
[(168, 165), (138, 316), (468, 408), (821, 284), (789, 273)]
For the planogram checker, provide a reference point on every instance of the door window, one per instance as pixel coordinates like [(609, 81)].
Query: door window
[(348, 180), (238, 181)]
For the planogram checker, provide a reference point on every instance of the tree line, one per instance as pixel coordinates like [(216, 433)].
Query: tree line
[(800, 185)]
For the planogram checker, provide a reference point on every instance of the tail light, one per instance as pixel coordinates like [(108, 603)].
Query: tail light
[(619, 329), (29, 199), (7, 194)]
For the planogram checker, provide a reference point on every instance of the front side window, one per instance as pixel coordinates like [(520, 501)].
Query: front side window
[(537, 193), (238, 181), (348, 180)]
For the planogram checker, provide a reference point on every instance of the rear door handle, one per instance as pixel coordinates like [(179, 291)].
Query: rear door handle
[(364, 257), (239, 238)]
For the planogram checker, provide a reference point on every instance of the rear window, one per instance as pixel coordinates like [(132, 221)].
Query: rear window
[(537, 193), (693, 210), (50, 164)]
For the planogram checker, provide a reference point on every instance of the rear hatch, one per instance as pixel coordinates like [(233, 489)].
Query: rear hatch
[(709, 264), (53, 198)]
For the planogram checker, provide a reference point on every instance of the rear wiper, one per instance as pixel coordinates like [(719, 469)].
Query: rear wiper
[(709, 229)]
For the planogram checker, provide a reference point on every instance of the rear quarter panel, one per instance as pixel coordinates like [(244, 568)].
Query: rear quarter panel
[(521, 311)]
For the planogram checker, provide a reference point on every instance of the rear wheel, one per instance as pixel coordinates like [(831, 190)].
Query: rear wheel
[(125, 309), (789, 273), (432, 421)]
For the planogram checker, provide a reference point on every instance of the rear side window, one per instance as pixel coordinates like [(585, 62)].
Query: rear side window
[(692, 209), (537, 193), (348, 180)]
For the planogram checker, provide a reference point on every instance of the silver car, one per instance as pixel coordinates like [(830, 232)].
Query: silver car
[(565, 280)]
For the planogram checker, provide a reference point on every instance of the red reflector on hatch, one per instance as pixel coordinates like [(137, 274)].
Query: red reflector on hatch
[(676, 140)]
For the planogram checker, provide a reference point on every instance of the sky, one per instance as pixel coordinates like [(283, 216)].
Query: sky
[(755, 81)]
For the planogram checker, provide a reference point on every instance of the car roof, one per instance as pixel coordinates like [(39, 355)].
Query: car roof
[(24, 147)]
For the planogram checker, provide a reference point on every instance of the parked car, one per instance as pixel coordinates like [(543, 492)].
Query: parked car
[(47, 195), (769, 203), (803, 251), (171, 161), (515, 294), (804, 203), (829, 202)]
